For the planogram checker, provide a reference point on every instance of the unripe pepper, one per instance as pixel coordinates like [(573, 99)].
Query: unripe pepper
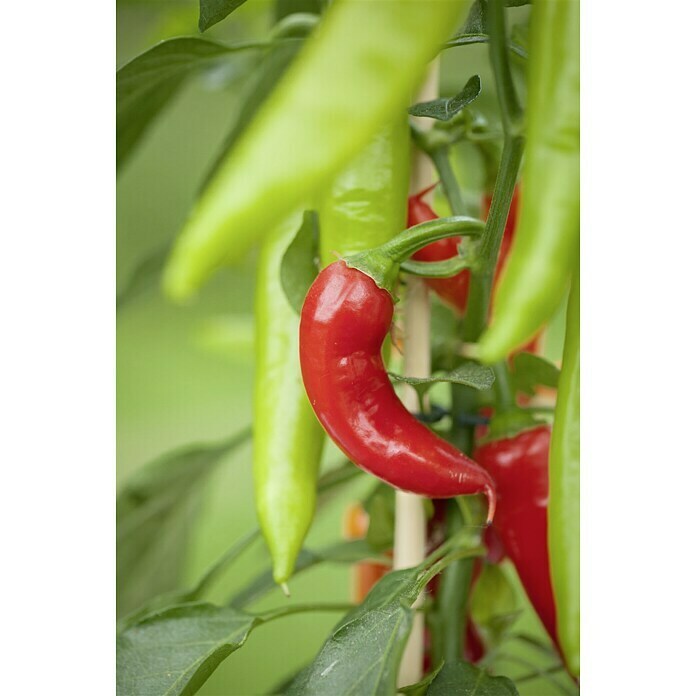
[(288, 439), (541, 261), (345, 319), (564, 500), (519, 465), (361, 64)]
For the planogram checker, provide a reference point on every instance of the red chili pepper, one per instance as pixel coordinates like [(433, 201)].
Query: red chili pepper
[(454, 290), (519, 466), (344, 321)]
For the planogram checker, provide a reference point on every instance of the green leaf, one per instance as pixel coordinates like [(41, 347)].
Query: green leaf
[(475, 29), (196, 592), (445, 109), (154, 512), (380, 507), (300, 263), (214, 11), (531, 371), (420, 688), (175, 651), (493, 605), (463, 679), (145, 85), (363, 653), (470, 374), (342, 552), (142, 277)]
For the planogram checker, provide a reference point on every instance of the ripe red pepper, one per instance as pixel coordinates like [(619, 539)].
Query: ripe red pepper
[(344, 321), (454, 290), (519, 466)]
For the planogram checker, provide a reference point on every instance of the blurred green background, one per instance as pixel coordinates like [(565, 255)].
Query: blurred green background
[(184, 374)]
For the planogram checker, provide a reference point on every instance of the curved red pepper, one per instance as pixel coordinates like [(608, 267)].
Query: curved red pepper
[(344, 321), (519, 466), (454, 290)]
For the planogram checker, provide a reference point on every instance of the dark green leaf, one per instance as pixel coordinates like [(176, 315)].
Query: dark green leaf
[(493, 605), (342, 552), (154, 512), (145, 85), (470, 374), (421, 687), (463, 679), (531, 371), (175, 651), (475, 29), (300, 263), (197, 591), (214, 11), (142, 277), (380, 507), (446, 109), (363, 653), (476, 19)]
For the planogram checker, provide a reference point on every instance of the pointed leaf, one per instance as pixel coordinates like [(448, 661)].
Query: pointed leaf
[(363, 654), (421, 687), (154, 511), (462, 679), (470, 374), (214, 11), (175, 651), (531, 371), (300, 263), (145, 85), (446, 109)]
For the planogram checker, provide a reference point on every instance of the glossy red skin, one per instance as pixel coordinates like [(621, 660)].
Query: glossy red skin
[(454, 290), (519, 466), (344, 321)]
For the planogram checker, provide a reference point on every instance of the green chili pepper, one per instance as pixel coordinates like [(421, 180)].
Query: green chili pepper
[(288, 438), (365, 205), (541, 260), (360, 65), (564, 490)]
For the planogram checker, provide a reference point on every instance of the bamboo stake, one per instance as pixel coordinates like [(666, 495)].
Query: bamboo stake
[(410, 527)]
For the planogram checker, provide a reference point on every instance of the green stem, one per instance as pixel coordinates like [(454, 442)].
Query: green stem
[(382, 262), (505, 397), (453, 594), (280, 612), (441, 160), (436, 269), (505, 87)]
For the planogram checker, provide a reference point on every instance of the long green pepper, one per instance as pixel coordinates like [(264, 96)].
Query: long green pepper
[(564, 490), (288, 438), (546, 244), (360, 65), (365, 205)]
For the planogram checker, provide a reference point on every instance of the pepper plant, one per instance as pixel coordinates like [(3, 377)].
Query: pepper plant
[(315, 173)]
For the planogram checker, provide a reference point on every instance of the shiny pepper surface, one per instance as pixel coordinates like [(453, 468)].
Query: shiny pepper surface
[(519, 466), (344, 321)]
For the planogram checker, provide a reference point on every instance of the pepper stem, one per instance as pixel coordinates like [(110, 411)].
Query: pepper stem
[(382, 263)]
